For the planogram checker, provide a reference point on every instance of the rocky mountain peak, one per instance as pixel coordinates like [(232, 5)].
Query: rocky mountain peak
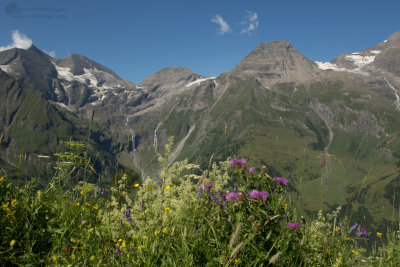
[(394, 38), (273, 61), (167, 78), (77, 65)]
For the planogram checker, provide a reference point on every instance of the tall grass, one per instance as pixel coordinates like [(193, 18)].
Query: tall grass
[(226, 215)]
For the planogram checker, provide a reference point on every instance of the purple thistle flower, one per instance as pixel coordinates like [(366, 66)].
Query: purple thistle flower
[(251, 171), (354, 227), (293, 225), (281, 180), (254, 194), (232, 196), (238, 163), (363, 232), (264, 195), (200, 192)]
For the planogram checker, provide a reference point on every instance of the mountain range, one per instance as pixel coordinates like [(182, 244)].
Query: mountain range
[(331, 127)]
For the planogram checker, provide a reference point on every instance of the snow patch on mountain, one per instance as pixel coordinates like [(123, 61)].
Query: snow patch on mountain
[(376, 52), (6, 68), (329, 66), (198, 81), (360, 60)]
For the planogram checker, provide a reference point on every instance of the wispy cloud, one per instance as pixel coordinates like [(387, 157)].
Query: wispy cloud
[(250, 23), (224, 26), (20, 40)]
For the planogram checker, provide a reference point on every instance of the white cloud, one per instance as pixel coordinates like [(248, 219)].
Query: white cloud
[(224, 27), (250, 23), (20, 40)]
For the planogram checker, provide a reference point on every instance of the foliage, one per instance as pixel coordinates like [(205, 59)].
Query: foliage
[(226, 215)]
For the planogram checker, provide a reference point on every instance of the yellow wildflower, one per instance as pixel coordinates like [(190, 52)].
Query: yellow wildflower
[(1, 179), (379, 234), (5, 206), (136, 185), (156, 232), (92, 258), (144, 237), (81, 192), (165, 231), (54, 258), (285, 206), (167, 209), (167, 187), (12, 243), (337, 229), (238, 261), (120, 240), (95, 208), (148, 187), (355, 252)]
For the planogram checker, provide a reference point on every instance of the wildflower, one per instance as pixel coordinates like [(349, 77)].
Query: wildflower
[(258, 195), (353, 227), (12, 243), (148, 187), (379, 234), (208, 187), (238, 261), (167, 187), (355, 252), (264, 169), (5, 206), (83, 222), (1, 179), (238, 163), (92, 258), (127, 215), (214, 198), (293, 225), (136, 185), (234, 188), (165, 231), (281, 180), (200, 192), (285, 206), (363, 232), (73, 257), (251, 171), (167, 209), (398, 236), (232, 196)]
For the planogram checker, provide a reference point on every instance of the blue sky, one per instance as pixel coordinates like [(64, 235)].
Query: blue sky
[(136, 38)]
